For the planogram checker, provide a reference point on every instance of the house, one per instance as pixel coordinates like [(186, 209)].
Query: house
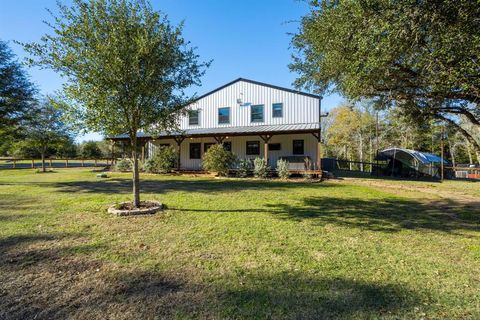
[(251, 119)]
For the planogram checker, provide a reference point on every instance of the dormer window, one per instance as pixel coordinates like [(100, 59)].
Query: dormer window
[(224, 115), (193, 117), (256, 113)]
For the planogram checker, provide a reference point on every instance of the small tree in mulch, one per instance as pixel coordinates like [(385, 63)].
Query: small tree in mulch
[(218, 160), (126, 68)]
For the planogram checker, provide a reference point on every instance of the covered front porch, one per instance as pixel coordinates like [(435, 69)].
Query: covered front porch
[(298, 144)]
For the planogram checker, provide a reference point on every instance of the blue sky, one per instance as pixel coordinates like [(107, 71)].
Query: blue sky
[(247, 38)]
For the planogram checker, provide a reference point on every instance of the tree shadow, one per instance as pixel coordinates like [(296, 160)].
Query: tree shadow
[(43, 279), (387, 215), (124, 186), (288, 296)]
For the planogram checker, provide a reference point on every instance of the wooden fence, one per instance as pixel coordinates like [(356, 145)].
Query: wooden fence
[(23, 163), (357, 166)]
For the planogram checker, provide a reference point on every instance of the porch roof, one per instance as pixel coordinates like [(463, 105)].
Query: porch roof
[(231, 131)]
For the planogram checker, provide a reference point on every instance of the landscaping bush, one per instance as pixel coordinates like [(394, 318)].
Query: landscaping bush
[(260, 168), (124, 165), (162, 161), (218, 160), (149, 165), (244, 167), (282, 169)]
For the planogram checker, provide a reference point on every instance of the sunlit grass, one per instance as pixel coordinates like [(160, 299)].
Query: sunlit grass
[(232, 248)]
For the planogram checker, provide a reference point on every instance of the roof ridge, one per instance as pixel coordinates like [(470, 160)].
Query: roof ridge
[(261, 84)]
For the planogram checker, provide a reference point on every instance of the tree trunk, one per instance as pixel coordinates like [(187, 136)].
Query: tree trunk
[(360, 149), (43, 162), (452, 152), (469, 152), (136, 176)]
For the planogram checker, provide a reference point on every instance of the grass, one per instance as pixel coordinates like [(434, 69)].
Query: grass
[(231, 248)]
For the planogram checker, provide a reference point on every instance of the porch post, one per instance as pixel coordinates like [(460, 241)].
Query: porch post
[(266, 139), (179, 140)]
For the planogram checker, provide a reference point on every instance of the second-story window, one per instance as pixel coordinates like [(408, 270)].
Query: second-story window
[(277, 110), (193, 117), (224, 115), (257, 113)]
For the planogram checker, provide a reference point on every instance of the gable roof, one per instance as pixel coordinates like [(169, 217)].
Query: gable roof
[(311, 95)]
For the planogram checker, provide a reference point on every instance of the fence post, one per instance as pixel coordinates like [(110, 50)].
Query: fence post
[(50, 160), (14, 163), (83, 162), (66, 163), (95, 162), (33, 164)]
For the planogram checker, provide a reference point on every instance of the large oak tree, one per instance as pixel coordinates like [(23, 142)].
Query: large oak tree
[(422, 56), (126, 68)]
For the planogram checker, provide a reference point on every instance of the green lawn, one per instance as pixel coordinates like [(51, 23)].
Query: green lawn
[(229, 248)]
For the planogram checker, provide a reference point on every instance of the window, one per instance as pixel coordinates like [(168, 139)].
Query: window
[(253, 147), (277, 110), (193, 117), (195, 150), (207, 146), (274, 147), (298, 147), (227, 146), (256, 113), (224, 115)]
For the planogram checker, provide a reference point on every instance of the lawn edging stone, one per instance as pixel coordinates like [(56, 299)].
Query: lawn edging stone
[(146, 207)]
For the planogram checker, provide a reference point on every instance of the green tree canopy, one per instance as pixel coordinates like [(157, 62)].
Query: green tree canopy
[(16, 97), (422, 56), (46, 129), (126, 68), (90, 150)]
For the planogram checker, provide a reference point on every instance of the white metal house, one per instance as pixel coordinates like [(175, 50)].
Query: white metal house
[(250, 118)]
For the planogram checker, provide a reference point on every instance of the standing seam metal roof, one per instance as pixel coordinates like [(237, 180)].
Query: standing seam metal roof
[(246, 130)]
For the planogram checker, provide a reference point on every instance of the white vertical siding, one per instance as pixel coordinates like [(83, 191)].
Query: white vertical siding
[(297, 108)]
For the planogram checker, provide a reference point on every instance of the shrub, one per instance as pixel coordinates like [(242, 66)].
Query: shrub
[(244, 167), (282, 169), (124, 165), (260, 168), (218, 160), (162, 161), (149, 165)]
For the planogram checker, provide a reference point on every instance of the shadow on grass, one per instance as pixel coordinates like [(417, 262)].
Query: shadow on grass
[(124, 186), (42, 278), (295, 296), (384, 215)]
